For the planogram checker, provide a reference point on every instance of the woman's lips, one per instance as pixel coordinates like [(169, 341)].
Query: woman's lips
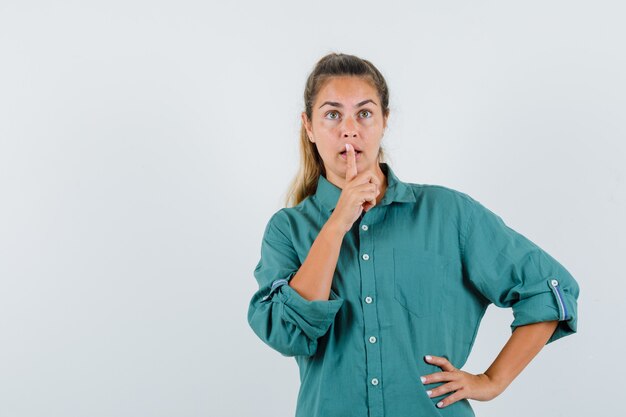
[(357, 154)]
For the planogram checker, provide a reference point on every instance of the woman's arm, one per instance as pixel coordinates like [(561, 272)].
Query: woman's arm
[(511, 271), (314, 278), (292, 308), (523, 345)]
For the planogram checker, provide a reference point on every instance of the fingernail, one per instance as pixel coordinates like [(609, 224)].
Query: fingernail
[(347, 147), (429, 392), (423, 379), (428, 357), (439, 404)]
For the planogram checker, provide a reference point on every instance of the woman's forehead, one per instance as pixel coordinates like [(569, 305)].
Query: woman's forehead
[(348, 90)]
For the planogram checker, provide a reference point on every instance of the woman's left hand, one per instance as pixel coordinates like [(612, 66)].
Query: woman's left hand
[(465, 385)]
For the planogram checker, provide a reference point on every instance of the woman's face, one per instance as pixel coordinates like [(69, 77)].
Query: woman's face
[(346, 110)]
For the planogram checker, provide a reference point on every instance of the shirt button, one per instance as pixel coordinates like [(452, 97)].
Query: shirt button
[(366, 256), (555, 282), (374, 381), (368, 300), (364, 227), (372, 339)]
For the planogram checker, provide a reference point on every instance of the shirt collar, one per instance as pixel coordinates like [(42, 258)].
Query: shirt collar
[(328, 193)]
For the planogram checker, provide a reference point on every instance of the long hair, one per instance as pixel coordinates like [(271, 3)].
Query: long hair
[(304, 183)]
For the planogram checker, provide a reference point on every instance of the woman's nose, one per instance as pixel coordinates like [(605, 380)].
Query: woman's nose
[(349, 127)]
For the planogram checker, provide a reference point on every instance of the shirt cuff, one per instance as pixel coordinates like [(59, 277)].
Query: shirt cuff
[(553, 304), (314, 317)]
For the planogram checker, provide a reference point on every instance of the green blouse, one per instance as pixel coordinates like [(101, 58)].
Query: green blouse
[(414, 277)]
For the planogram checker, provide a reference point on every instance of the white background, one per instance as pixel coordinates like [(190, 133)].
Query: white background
[(145, 144)]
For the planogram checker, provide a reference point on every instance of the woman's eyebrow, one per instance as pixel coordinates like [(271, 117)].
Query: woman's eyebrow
[(334, 103)]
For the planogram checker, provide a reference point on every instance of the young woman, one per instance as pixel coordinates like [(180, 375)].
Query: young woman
[(377, 286)]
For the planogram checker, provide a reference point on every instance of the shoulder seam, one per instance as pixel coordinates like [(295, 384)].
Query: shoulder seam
[(276, 215), (452, 191)]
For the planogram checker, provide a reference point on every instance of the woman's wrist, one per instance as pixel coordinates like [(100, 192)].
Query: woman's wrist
[(499, 384), (333, 229)]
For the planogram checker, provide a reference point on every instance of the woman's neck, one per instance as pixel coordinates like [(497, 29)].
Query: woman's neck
[(382, 178)]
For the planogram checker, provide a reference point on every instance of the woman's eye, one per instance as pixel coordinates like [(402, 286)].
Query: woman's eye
[(331, 114), (365, 113)]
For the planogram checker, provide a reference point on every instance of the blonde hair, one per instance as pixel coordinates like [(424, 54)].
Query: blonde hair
[(304, 183)]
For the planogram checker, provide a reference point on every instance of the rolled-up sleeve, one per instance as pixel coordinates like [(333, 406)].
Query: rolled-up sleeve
[(278, 314), (510, 270)]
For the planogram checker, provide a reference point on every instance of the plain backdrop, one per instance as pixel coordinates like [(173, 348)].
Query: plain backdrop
[(144, 145)]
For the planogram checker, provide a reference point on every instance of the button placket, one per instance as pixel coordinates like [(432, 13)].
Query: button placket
[(373, 359)]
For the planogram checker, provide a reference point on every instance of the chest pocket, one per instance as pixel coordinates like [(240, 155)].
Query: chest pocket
[(419, 278)]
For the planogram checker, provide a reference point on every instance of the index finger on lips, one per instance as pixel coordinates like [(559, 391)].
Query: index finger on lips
[(351, 170)]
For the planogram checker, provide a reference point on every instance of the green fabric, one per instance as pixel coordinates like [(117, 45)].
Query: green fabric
[(437, 259)]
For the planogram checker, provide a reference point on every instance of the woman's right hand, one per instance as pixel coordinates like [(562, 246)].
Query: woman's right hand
[(358, 194)]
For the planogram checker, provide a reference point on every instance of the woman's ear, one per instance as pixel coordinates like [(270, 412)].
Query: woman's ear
[(307, 126)]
